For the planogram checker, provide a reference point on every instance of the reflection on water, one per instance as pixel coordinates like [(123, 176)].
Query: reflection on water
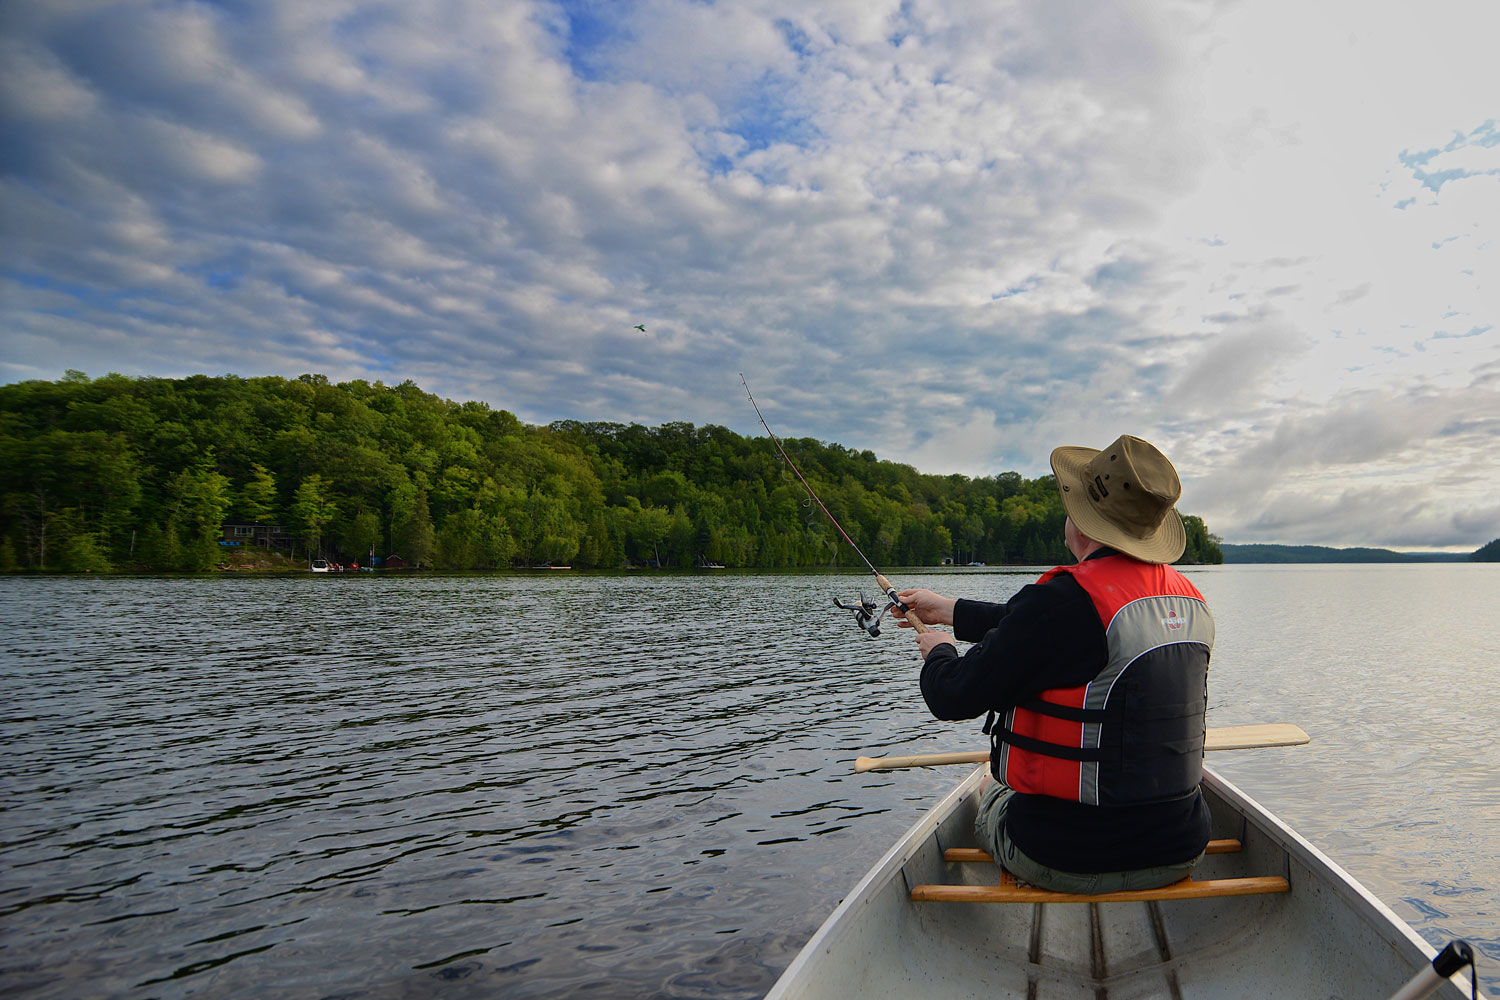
[(560, 785), (1392, 670)]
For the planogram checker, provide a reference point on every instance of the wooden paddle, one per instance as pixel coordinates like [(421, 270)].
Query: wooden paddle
[(1273, 734)]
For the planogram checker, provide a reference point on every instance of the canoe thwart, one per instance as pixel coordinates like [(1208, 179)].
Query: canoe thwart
[(966, 854), (1186, 889)]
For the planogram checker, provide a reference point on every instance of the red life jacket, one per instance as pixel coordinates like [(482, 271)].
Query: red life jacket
[(1134, 734)]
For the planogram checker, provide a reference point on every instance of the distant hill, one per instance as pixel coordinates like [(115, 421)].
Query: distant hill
[(1324, 554)]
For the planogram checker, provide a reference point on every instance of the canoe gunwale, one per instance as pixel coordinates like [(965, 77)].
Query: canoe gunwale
[(891, 866), (1386, 922)]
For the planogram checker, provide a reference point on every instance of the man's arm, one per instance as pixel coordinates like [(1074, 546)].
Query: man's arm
[(972, 619), (1047, 636)]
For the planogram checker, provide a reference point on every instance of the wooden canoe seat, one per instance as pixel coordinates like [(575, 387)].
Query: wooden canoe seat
[(1186, 889), (965, 854), (1009, 891)]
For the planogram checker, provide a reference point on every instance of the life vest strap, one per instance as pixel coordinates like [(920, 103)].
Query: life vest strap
[(1002, 735), (1068, 712)]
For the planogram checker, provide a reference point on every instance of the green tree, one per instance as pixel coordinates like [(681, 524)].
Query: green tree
[(546, 531), (400, 506), (361, 536), (416, 540), (33, 511), (496, 545), (312, 509), (161, 548), (458, 540), (649, 528), (258, 497), (123, 469), (200, 497), (1202, 547), (602, 544), (78, 549), (682, 540), (557, 549)]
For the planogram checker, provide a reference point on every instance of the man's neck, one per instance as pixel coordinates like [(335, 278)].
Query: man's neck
[(1086, 547)]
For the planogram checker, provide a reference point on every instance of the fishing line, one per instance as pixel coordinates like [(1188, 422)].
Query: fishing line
[(802, 479), (866, 614)]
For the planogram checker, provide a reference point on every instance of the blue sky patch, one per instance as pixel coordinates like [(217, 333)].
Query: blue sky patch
[(768, 114), (1014, 290), (113, 300), (1119, 273), (796, 39), (1473, 332), (593, 27), (1485, 135)]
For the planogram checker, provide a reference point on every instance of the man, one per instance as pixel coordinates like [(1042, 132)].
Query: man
[(1095, 681)]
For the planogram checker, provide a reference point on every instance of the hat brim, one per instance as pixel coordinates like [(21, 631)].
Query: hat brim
[(1163, 545)]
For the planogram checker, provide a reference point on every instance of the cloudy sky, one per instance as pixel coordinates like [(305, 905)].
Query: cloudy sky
[(1260, 234)]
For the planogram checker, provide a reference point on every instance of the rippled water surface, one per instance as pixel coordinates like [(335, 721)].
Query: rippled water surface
[(619, 786)]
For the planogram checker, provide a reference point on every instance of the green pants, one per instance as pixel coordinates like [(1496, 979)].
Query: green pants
[(989, 830)]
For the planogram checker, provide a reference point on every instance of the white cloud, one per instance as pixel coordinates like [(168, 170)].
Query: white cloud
[(201, 155), (1259, 234), (35, 85)]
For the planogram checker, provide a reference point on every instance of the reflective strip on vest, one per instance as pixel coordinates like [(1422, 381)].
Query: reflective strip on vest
[(1095, 750)]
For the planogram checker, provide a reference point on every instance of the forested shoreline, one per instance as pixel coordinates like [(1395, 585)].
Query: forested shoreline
[(140, 474), (1258, 553)]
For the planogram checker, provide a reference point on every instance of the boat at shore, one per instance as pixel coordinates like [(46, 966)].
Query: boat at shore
[(1266, 914)]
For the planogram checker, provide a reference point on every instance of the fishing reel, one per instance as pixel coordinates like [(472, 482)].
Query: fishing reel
[(868, 614)]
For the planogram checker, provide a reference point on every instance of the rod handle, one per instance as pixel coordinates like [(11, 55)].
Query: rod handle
[(911, 616)]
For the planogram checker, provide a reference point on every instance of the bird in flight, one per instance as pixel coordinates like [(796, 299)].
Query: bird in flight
[(641, 327)]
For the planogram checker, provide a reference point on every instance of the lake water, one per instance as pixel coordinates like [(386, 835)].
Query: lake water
[(560, 785)]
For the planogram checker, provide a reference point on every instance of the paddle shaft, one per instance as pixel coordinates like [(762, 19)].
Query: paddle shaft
[(1449, 962), (1217, 738)]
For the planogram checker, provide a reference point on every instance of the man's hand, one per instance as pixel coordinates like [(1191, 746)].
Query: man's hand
[(933, 609), (928, 640)]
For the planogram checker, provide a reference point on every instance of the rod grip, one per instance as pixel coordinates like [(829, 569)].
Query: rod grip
[(911, 616)]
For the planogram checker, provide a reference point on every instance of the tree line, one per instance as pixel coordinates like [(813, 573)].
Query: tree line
[(140, 474), (1274, 553)]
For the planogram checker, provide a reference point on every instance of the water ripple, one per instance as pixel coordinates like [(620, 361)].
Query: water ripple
[(547, 786)]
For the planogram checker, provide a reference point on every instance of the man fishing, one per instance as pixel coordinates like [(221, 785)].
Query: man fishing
[(1094, 679)]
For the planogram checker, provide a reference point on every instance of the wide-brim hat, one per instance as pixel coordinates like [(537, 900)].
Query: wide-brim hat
[(1123, 496)]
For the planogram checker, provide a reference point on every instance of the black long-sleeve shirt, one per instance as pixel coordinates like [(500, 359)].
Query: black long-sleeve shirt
[(1049, 636)]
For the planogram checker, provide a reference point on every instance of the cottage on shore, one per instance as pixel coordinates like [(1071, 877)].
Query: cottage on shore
[(267, 536)]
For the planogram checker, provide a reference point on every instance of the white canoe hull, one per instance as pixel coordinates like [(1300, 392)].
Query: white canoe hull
[(1327, 938)]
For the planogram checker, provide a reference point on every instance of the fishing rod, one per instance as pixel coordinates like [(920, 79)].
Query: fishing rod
[(867, 614)]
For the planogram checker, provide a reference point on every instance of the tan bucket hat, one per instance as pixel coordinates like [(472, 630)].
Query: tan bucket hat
[(1123, 497)]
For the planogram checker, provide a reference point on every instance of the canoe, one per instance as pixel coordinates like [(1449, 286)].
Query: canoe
[(1322, 936)]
